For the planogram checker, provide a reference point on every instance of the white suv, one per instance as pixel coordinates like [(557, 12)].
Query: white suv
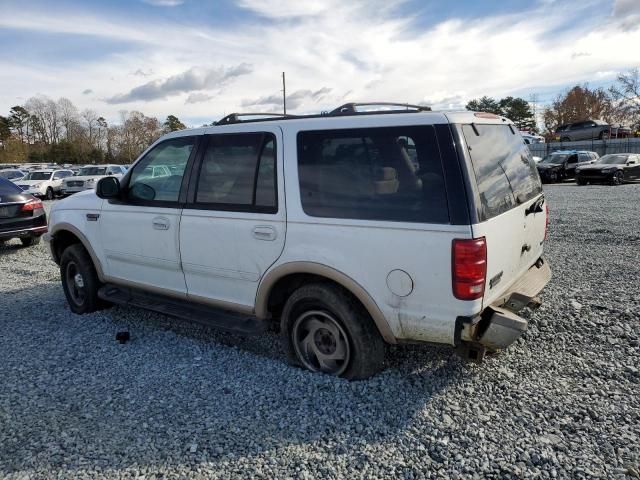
[(88, 176), (346, 230), (44, 183)]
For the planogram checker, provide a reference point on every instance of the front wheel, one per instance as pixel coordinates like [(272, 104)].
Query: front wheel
[(49, 195), (580, 181), (80, 280), (618, 178), (325, 330)]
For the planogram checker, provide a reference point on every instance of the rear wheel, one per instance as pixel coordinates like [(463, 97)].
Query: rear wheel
[(325, 330), (80, 280), (604, 135), (618, 178), (29, 241)]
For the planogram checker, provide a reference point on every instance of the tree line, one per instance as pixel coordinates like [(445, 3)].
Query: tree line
[(618, 104), (44, 130)]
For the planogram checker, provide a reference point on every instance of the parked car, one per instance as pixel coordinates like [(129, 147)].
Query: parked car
[(12, 174), (590, 130), (324, 225), (615, 169), (87, 177), (21, 215), (44, 183), (530, 138), (561, 165)]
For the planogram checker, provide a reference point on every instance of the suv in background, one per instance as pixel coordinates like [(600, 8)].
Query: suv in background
[(590, 130), (293, 221), (44, 183), (561, 165), (87, 177)]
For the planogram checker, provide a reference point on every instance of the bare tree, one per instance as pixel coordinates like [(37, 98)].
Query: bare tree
[(90, 118), (68, 114), (627, 93)]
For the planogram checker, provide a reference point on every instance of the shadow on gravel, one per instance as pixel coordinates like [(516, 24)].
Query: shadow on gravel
[(73, 399)]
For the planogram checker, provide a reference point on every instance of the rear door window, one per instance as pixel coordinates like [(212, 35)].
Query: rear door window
[(238, 172), (392, 174), (505, 172)]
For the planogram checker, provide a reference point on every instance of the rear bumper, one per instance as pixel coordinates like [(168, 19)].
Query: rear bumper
[(23, 232), (498, 326)]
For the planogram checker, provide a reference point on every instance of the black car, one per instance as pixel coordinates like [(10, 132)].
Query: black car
[(561, 165), (615, 169), (21, 215)]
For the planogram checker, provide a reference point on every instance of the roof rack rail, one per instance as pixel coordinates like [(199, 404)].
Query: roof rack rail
[(350, 108), (235, 117)]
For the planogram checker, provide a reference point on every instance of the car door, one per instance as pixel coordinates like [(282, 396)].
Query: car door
[(139, 231), (570, 165), (233, 226), (632, 170)]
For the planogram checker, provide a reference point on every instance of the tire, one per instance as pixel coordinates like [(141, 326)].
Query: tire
[(565, 139), (49, 195), (320, 321), (553, 177), (618, 178), (82, 292), (30, 241), (604, 135), (580, 181)]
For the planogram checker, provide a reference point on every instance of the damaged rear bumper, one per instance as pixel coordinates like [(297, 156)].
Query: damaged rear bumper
[(499, 325)]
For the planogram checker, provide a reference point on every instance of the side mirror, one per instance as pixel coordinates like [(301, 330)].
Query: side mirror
[(108, 187), (631, 162)]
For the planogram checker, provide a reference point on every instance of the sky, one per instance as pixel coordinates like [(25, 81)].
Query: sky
[(200, 60)]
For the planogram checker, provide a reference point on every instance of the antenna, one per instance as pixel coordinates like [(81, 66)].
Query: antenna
[(284, 95)]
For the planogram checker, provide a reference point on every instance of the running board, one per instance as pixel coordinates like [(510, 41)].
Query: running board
[(185, 309)]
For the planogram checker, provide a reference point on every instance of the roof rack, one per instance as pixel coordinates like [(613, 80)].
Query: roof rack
[(235, 117), (350, 108), (343, 110)]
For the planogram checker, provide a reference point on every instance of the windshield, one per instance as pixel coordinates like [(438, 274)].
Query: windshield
[(38, 176), (554, 158), (613, 159), (92, 171)]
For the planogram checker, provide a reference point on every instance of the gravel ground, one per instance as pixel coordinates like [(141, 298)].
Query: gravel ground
[(182, 400)]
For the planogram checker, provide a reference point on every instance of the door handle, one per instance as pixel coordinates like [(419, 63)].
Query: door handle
[(264, 232), (161, 223)]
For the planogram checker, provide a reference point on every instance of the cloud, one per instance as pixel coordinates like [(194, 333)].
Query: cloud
[(294, 100), (87, 91), (575, 55), (287, 8), (199, 97), (195, 78), (627, 14), (164, 3), (141, 73)]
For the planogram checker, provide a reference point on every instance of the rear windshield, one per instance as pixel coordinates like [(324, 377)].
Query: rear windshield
[(392, 174), (505, 171), (8, 188), (613, 159)]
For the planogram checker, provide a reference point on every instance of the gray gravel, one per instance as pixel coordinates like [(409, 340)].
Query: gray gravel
[(181, 400)]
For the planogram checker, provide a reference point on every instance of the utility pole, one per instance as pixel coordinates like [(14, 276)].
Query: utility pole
[(284, 94), (534, 100)]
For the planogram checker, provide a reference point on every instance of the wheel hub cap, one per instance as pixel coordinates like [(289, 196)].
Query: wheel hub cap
[(320, 342), (78, 280)]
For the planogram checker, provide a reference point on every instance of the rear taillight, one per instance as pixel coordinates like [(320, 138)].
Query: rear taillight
[(469, 268), (546, 220), (31, 205)]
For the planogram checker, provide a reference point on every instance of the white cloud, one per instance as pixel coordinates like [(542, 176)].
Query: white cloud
[(199, 97)]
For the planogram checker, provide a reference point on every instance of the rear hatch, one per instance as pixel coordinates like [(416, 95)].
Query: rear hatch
[(509, 203)]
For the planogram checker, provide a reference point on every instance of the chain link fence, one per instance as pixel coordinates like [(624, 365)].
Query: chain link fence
[(601, 147)]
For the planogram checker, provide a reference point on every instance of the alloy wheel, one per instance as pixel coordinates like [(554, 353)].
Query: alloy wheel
[(321, 343)]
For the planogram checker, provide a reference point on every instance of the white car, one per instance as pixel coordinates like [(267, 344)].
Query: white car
[(530, 138), (88, 176), (44, 183), (12, 174), (346, 229)]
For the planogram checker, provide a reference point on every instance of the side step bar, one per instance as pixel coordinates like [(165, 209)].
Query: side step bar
[(221, 319)]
